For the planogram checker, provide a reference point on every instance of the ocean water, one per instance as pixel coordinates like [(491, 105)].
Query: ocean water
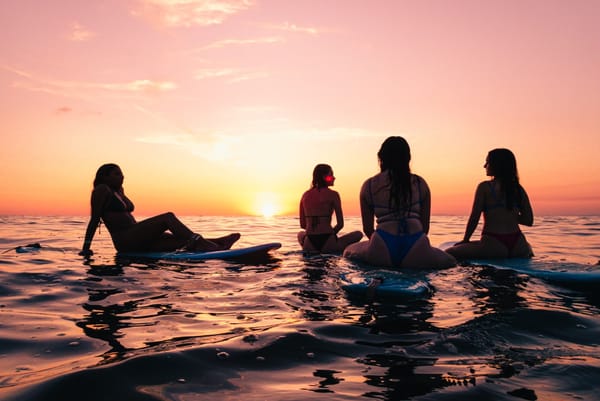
[(284, 328)]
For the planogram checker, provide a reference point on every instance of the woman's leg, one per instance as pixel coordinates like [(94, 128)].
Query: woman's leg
[(347, 239), (423, 256), (151, 235), (301, 237), (522, 249), (374, 251), (486, 248)]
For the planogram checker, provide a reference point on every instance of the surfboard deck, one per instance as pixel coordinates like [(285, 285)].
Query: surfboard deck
[(236, 253), (558, 272), (384, 284)]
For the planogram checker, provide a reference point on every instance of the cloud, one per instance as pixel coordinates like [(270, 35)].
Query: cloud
[(217, 149), (286, 26), (232, 75), (63, 110), (79, 33), (187, 13), (80, 89), (242, 42)]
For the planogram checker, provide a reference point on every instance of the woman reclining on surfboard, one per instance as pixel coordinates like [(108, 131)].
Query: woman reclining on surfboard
[(401, 202), (316, 208), (162, 233), (505, 205)]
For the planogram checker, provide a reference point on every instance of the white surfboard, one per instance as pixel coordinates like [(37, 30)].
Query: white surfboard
[(555, 271), (237, 253)]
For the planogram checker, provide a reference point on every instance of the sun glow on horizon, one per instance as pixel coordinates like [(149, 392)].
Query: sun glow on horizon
[(268, 210), (267, 204)]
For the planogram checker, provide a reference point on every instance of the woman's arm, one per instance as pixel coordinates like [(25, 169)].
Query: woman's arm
[(425, 205), (339, 215), (99, 198), (476, 210), (301, 214), (366, 212), (525, 212)]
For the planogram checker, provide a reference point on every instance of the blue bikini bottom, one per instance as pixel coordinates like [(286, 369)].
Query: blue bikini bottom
[(398, 245)]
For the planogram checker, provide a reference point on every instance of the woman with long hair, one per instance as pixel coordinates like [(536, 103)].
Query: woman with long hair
[(504, 205), (162, 233), (317, 206), (401, 203)]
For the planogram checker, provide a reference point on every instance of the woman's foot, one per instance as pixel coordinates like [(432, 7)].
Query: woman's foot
[(199, 244), (227, 241)]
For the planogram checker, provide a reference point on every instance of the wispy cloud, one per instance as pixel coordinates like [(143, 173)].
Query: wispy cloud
[(186, 13), (251, 146), (217, 148), (288, 27), (63, 110), (79, 89), (78, 33), (231, 75), (243, 42)]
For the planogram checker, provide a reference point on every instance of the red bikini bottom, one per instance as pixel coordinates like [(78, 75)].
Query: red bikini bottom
[(508, 239)]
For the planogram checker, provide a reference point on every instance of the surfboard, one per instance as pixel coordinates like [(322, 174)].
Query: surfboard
[(384, 284), (565, 273), (255, 251)]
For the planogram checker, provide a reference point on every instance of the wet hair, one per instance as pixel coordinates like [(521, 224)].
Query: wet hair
[(319, 173), (103, 171), (502, 166), (394, 156)]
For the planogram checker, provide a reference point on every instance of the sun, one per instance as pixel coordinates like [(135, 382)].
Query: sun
[(266, 204), (268, 210)]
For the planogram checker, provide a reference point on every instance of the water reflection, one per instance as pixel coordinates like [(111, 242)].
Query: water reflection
[(105, 322), (497, 290), (328, 380), (320, 298)]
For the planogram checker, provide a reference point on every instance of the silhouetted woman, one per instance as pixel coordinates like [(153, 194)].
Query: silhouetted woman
[(162, 233), (401, 203), (505, 205), (316, 209)]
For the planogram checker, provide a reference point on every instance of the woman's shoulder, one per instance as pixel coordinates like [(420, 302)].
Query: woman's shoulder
[(417, 178), (487, 184), (372, 181)]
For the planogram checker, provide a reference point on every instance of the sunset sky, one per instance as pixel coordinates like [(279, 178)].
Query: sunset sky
[(223, 107)]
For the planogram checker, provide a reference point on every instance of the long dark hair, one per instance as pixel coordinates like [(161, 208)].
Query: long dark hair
[(319, 173), (502, 166), (103, 171), (394, 156)]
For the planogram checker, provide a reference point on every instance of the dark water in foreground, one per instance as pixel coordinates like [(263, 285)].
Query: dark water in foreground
[(284, 329)]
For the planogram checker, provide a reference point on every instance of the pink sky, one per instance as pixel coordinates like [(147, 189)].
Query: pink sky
[(224, 107)]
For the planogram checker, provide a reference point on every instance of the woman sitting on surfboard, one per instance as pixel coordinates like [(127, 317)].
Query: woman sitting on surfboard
[(505, 205), (401, 202), (316, 208), (162, 233)]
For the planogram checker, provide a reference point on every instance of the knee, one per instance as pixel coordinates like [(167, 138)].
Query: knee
[(301, 237), (168, 215), (357, 235)]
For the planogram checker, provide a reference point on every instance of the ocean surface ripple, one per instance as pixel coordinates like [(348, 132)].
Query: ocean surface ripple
[(284, 328)]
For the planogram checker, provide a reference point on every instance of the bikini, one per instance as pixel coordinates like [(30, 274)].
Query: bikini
[(398, 245), (509, 240), (117, 204), (318, 240)]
